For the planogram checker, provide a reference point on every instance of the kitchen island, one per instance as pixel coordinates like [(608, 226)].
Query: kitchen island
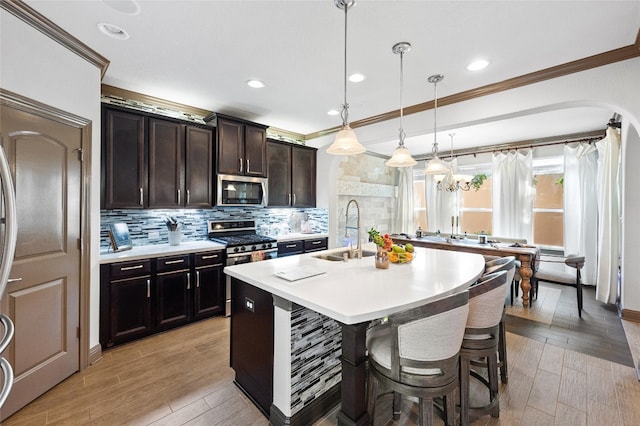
[(345, 296)]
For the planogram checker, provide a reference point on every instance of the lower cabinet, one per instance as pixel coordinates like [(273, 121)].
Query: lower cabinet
[(139, 298), (290, 248)]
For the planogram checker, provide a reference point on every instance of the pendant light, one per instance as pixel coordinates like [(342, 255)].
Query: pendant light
[(346, 141), (401, 156), (435, 166)]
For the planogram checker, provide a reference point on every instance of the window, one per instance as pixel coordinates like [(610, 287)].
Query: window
[(475, 207), (548, 212)]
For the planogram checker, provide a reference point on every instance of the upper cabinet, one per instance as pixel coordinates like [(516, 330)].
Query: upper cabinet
[(151, 162), (241, 147), (292, 175)]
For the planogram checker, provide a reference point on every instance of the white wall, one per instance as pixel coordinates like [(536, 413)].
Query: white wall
[(35, 66), (614, 86)]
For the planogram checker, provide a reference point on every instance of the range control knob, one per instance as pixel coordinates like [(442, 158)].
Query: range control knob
[(236, 249), (254, 248)]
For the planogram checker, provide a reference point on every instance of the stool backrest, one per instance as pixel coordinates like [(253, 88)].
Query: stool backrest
[(422, 336), (486, 300)]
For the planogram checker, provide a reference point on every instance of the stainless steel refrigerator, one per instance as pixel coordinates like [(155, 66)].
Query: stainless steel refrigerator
[(8, 233)]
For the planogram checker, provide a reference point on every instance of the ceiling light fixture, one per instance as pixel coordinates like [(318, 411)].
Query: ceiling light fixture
[(333, 112), (113, 31), (452, 181), (356, 78), (401, 156), (346, 141), (435, 166), (256, 84), (478, 65)]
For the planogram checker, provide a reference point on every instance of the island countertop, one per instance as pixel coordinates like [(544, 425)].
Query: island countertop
[(356, 291)]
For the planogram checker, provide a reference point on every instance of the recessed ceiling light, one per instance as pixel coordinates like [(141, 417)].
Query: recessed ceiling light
[(128, 7), (333, 112), (256, 84), (113, 31), (478, 65), (356, 78)]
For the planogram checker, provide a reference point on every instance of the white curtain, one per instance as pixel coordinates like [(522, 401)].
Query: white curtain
[(441, 205), (581, 207), (608, 216), (404, 215), (513, 194)]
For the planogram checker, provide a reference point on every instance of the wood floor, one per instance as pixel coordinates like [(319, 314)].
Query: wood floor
[(182, 377)]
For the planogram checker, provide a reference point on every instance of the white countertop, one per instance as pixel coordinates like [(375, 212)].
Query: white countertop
[(157, 250), (294, 236), (356, 291)]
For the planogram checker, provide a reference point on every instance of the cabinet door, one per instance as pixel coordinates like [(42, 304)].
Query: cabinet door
[(230, 147), (124, 175), (303, 177), (166, 164), (279, 174), (255, 147), (208, 292), (198, 167), (130, 309), (289, 248), (172, 298)]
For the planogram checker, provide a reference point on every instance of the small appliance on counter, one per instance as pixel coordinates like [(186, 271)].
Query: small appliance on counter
[(243, 245)]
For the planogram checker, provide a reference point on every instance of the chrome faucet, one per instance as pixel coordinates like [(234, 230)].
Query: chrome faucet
[(358, 251)]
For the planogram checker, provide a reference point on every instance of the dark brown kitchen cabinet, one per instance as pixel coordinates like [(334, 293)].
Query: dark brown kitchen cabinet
[(124, 172), (153, 162), (125, 301), (291, 170), (173, 288), (241, 147), (290, 248), (209, 284)]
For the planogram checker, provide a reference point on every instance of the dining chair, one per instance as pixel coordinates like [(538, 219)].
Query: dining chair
[(507, 263), (480, 342), (417, 355), (547, 272)]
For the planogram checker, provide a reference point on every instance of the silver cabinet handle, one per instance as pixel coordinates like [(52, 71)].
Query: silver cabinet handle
[(188, 280), (316, 242), (213, 256), (13, 280), (148, 289), (198, 279), (289, 199), (290, 245), (178, 196), (241, 164), (188, 196), (130, 268), (172, 262), (141, 197), (294, 198), (248, 166)]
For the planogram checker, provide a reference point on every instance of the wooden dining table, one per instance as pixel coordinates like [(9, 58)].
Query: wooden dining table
[(527, 255)]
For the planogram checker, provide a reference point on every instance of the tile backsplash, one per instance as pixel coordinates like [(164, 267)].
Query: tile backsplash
[(143, 224)]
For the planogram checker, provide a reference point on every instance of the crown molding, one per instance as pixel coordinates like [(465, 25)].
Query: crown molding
[(38, 21), (594, 61), (141, 97)]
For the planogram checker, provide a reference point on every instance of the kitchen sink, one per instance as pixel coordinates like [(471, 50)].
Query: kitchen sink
[(338, 256)]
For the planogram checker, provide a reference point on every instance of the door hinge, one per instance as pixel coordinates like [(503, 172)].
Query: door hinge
[(80, 154)]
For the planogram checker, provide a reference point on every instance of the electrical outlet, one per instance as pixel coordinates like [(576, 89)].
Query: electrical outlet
[(154, 235)]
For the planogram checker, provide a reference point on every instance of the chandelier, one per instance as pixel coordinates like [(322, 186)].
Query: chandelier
[(451, 181)]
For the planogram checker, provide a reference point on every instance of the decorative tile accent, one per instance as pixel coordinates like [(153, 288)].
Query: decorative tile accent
[(366, 189), (194, 221), (315, 356)]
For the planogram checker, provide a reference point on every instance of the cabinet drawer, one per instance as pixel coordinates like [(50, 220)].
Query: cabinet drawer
[(315, 245), (208, 258), (290, 247), (172, 263), (134, 268)]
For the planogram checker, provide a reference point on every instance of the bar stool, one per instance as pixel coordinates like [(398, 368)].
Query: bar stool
[(417, 355), (508, 264), (486, 304)]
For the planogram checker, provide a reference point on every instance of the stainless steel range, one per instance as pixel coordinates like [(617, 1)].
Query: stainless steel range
[(243, 245)]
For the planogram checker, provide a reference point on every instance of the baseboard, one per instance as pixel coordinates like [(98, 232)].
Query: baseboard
[(629, 315), (310, 413), (95, 354)]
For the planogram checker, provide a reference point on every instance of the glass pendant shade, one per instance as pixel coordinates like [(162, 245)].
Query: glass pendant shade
[(400, 158), (346, 143), (436, 166)]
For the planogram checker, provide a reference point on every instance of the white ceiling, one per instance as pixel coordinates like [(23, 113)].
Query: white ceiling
[(201, 53)]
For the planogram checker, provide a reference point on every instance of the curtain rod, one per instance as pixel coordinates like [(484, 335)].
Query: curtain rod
[(590, 137)]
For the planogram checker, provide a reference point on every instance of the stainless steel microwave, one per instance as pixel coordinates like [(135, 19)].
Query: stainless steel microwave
[(241, 191)]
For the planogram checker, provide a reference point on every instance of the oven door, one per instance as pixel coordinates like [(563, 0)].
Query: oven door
[(241, 191)]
